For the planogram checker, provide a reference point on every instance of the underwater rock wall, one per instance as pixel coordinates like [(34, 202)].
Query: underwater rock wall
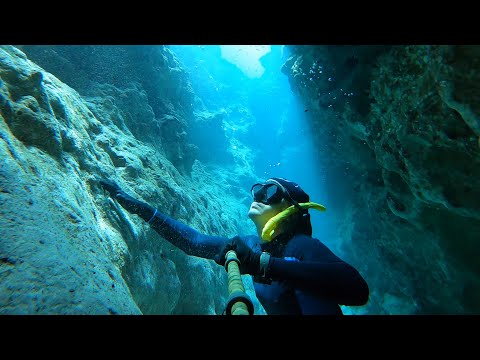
[(399, 127), (120, 75), (65, 246), (172, 118)]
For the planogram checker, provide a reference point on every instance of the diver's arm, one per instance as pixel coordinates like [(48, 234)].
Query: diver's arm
[(187, 238), (327, 275), (182, 236), (336, 280)]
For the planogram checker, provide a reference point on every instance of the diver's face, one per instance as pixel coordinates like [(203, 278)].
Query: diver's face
[(268, 201), (261, 213)]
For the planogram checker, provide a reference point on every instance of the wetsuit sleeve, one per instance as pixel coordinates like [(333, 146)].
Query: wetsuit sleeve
[(182, 236), (338, 280)]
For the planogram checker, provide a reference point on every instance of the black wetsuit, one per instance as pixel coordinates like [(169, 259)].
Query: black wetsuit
[(307, 278)]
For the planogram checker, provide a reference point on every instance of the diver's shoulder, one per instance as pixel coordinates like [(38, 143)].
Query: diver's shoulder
[(303, 238), (311, 247)]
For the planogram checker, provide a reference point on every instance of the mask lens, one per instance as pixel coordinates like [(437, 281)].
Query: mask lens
[(267, 194), (259, 193), (271, 191)]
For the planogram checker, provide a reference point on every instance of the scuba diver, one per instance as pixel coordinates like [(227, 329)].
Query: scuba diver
[(293, 272)]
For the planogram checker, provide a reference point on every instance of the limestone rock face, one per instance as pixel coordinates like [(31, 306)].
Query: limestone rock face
[(65, 246), (127, 76), (399, 127), (54, 258)]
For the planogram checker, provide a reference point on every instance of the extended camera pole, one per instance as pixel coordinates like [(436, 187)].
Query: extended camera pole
[(238, 302)]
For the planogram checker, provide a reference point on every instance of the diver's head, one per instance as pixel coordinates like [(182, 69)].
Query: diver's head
[(274, 196)]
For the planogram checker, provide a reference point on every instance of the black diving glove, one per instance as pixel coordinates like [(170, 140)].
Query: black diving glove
[(128, 202), (132, 205), (111, 187), (125, 200), (249, 260)]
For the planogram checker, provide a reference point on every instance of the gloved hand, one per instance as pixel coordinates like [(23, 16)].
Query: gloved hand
[(111, 187), (128, 202), (249, 260)]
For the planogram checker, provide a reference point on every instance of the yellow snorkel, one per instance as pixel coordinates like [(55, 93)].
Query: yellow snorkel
[(269, 228)]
